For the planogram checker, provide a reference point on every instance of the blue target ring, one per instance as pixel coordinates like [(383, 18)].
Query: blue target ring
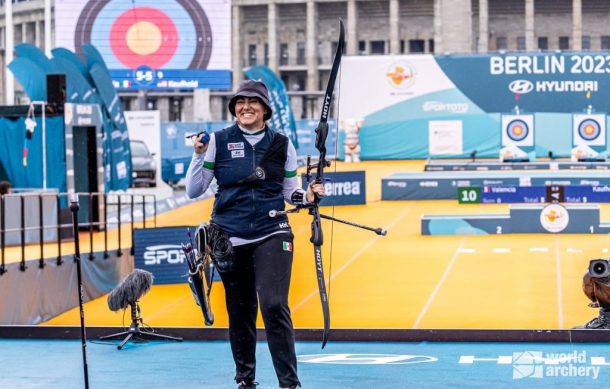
[(517, 130), (589, 129)]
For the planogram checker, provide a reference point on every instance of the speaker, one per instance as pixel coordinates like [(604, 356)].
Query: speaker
[(56, 91)]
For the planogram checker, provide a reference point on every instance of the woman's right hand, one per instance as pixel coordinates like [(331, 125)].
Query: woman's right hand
[(200, 147)]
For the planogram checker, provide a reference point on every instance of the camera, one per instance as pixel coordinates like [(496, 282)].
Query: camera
[(599, 268)]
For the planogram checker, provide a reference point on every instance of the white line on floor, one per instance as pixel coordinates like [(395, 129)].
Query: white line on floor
[(438, 286), (466, 251), (539, 250), (558, 280), (501, 250), (573, 250)]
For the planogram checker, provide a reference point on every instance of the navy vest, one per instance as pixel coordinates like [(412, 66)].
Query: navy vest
[(241, 209)]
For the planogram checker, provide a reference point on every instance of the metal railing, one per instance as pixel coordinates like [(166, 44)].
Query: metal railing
[(104, 211)]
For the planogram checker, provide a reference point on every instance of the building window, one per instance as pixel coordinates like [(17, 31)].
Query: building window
[(362, 47), (266, 54), (252, 55), (501, 43), (586, 42), (333, 49), (417, 46), (151, 104), (521, 43), (564, 43), (319, 52), (543, 43), (299, 83), (283, 53), (125, 103), (175, 108), (402, 46), (300, 53), (431, 45), (377, 47), (605, 44)]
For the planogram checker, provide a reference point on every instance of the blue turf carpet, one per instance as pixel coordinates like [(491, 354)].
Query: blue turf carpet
[(59, 364)]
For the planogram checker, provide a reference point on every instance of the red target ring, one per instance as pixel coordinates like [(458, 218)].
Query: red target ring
[(143, 36)]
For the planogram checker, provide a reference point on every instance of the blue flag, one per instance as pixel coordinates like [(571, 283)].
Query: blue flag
[(282, 119)]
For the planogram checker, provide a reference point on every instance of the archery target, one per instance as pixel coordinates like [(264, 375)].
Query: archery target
[(144, 34), (589, 130), (518, 130)]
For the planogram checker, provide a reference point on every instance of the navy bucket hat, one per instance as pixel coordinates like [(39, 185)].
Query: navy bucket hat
[(252, 88)]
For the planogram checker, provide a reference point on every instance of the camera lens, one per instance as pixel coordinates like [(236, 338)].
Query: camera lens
[(599, 268)]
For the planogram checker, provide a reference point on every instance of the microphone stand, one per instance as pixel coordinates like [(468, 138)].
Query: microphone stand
[(74, 206)]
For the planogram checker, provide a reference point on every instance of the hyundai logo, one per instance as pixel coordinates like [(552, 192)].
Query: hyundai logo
[(521, 86)]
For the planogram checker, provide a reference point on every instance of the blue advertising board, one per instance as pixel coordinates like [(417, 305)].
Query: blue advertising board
[(342, 188), (158, 251), (147, 78)]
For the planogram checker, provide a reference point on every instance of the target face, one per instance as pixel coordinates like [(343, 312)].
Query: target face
[(517, 130), (589, 130), (140, 34)]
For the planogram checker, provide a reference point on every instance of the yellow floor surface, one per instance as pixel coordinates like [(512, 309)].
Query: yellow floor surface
[(404, 280)]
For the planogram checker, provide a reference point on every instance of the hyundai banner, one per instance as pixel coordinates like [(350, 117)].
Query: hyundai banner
[(396, 97)]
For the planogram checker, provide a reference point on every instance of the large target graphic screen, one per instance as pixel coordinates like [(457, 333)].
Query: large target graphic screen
[(152, 44)]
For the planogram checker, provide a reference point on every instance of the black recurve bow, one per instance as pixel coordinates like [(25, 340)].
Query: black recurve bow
[(316, 225)]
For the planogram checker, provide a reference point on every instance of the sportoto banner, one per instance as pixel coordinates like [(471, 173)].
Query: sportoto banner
[(147, 44), (397, 96)]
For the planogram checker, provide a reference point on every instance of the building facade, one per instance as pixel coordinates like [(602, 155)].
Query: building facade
[(298, 38)]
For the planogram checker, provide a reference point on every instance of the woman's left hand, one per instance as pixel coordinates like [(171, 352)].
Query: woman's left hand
[(317, 188)]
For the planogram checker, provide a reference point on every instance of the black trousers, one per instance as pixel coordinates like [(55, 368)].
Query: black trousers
[(262, 270)]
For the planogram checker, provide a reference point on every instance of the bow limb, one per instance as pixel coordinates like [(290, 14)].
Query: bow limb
[(316, 225)]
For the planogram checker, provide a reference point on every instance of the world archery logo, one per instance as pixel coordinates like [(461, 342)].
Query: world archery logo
[(400, 75)]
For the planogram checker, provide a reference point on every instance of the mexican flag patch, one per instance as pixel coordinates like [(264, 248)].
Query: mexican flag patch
[(287, 246)]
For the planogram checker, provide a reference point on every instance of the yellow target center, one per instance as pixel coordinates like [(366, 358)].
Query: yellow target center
[(589, 130), (144, 38)]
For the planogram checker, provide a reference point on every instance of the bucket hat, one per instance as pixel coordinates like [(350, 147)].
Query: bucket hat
[(252, 88)]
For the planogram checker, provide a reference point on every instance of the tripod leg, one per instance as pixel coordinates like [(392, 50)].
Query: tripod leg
[(160, 336), (120, 346), (118, 334)]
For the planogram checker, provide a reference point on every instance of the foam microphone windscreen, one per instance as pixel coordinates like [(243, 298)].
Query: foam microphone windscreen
[(128, 291)]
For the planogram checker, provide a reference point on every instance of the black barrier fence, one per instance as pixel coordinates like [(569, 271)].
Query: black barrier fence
[(43, 218)]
